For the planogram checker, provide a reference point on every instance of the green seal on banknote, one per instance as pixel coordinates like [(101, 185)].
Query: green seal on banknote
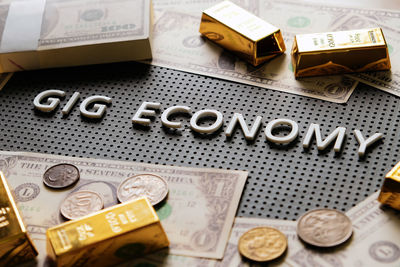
[(290, 67), (299, 22), (164, 211), (131, 250), (390, 48)]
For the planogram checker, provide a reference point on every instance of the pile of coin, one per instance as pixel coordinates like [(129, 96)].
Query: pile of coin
[(85, 202), (319, 228)]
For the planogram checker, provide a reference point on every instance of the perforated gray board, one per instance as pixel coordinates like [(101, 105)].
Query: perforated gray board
[(283, 182)]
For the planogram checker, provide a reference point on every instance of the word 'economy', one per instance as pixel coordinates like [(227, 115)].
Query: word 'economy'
[(147, 109)]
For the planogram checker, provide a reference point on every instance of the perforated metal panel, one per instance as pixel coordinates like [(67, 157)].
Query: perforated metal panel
[(283, 182)]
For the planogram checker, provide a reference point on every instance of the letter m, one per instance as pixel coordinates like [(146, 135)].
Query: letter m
[(337, 134)]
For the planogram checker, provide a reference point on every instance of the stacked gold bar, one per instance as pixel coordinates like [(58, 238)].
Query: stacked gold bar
[(110, 236), (390, 192), (242, 33), (339, 52), (15, 244)]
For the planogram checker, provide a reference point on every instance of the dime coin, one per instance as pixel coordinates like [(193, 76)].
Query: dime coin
[(81, 203), (61, 176), (262, 244), (152, 186), (324, 227)]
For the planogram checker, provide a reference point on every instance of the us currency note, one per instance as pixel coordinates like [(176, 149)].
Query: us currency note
[(375, 241), (232, 258), (75, 22), (197, 216), (177, 44), (4, 78)]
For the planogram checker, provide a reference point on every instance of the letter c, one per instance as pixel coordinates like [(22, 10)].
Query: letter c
[(171, 110)]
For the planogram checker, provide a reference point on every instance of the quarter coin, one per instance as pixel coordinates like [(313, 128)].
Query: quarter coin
[(81, 203), (324, 227), (152, 186), (262, 244), (61, 176)]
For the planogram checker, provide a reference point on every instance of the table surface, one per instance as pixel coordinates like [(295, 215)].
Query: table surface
[(283, 182)]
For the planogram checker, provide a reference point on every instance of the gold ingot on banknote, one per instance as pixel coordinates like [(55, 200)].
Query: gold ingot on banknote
[(15, 243), (390, 191), (242, 33), (47, 34), (340, 52), (110, 236)]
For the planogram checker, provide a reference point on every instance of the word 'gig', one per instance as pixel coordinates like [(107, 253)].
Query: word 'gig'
[(250, 133)]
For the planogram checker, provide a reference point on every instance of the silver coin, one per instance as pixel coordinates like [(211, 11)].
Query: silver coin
[(152, 186), (324, 227), (81, 203), (61, 176)]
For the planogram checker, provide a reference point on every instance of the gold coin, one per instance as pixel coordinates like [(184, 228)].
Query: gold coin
[(262, 244)]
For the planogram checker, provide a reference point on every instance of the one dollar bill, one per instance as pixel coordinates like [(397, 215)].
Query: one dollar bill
[(232, 257), (197, 216)]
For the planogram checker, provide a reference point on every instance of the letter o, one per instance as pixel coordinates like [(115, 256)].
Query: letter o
[(205, 113), (282, 139)]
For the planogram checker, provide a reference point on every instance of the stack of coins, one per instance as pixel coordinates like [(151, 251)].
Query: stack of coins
[(85, 202), (84, 208)]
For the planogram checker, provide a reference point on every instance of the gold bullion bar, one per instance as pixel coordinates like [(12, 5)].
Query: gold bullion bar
[(340, 52), (390, 192), (107, 237), (15, 244), (241, 32)]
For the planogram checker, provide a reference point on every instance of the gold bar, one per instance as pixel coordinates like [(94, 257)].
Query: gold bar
[(339, 52), (242, 33), (15, 243), (110, 236), (390, 191)]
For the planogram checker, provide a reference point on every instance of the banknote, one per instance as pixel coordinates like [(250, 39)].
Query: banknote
[(74, 22), (232, 258), (197, 216), (4, 78), (177, 44), (375, 241)]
